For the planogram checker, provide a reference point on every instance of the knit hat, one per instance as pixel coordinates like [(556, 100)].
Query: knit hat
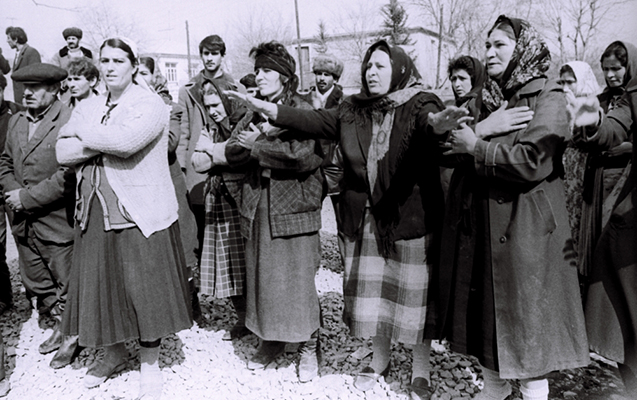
[(329, 64), (77, 32)]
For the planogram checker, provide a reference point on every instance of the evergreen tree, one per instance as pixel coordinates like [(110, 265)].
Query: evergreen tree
[(395, 24), (321, 37)]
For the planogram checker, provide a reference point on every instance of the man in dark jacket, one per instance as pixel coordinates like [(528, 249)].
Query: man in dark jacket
[(72, 50), (25, 55), (39, 191), (327, 93), (7, 109)]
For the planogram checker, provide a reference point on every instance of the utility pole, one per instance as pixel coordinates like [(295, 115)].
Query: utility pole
[(298, 42), (440, 23), (188, 44)]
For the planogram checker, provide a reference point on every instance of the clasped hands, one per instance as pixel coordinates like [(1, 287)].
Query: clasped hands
[(12, 199)]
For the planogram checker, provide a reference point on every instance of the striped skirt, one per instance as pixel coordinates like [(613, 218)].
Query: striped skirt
[(386, 297), (223, 261)]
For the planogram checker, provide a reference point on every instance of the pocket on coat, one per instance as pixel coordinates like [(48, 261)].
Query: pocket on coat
[(545, 210)]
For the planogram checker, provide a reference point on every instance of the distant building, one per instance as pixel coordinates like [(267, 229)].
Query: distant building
[(351, 47), (175, 68)]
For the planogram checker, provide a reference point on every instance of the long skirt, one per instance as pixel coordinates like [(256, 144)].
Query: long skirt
[(386, 297), (282, 303), (125, 286), (223, 264)]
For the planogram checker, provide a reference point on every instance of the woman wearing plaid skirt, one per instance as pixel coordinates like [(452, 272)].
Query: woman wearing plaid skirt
[(223, 263), (392, 204)]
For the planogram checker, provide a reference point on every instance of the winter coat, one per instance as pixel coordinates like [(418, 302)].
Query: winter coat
[(188, 118), (539, 322), (296, 183), (63, 57), (47, 188), (611, 306), (27, 56)]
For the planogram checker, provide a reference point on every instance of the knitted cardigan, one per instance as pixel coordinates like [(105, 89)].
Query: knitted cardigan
[(133, 145)]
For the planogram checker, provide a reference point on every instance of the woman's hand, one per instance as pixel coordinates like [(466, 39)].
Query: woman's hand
[(461, 141), (585, 111), (254, 104), (624, 148), (204, 144), (448, 119), (504, 121), (247, 138)]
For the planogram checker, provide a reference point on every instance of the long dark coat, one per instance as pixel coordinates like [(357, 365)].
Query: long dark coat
[(611, 307), (27, 56), (49, 188), (539, 321)]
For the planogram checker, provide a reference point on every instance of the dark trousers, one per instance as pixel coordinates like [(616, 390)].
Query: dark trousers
[(5, 276), (44, 268)]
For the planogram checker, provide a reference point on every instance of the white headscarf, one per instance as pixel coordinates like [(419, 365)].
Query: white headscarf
[(140, 82), (587, 84)]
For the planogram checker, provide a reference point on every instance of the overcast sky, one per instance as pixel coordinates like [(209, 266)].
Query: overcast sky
[(163, 21)]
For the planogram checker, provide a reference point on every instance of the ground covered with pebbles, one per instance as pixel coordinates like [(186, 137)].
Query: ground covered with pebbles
[(197, 364)]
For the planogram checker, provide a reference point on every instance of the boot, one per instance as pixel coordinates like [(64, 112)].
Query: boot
[(67, 352), (239, 329), (194, 298), (55, 340), (268, 351), (308, 362)]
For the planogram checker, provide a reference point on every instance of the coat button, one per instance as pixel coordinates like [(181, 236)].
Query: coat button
[(500, 200), (503, 239)]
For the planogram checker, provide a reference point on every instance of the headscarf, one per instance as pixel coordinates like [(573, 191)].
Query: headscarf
[(609, 93), (278, 64), (530, 60), (586, 84), (478, 79)]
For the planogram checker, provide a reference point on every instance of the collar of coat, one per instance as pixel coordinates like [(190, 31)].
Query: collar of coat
[(65, 50)]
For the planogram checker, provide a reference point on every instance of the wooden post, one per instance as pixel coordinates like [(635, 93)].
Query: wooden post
[(440, 23), (298, 44), (188, 52)]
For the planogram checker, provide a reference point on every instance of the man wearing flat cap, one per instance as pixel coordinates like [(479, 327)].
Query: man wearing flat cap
[(72, 50), (40, 196)]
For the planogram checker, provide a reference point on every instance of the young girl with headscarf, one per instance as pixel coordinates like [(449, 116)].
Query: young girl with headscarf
[(508, 295)]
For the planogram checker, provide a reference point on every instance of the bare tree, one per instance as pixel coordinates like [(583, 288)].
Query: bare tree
[(575, 25), (357, 23), (102, 22), (261, 24)]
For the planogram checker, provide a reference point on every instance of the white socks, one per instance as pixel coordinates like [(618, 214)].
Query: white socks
[(421, 367), (151, 379), (534, 389)]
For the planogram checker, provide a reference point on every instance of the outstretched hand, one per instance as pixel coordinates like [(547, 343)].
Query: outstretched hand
[(254, 104), (504, 121), (448, 119), (247, 138), (585, 111)]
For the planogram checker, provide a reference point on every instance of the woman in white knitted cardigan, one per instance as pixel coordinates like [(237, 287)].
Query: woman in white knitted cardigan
[(127, 280)]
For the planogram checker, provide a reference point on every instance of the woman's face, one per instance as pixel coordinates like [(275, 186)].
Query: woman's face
[(614, 72), (378, 73), (499, 52), (116, 68), (214, 106), (269, 82), (569, 81), (145, 73), (460, 82), (79, 86)]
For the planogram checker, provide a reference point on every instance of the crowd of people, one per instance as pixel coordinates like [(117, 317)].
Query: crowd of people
[(503, 223)]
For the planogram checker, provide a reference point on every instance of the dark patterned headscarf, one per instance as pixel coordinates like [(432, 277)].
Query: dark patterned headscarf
[(478, 78), (530, 60)]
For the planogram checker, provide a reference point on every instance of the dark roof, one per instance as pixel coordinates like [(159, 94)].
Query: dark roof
[(376, 33)]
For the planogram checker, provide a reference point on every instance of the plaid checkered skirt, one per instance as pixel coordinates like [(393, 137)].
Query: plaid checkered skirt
[(386, 297), (223, 263)]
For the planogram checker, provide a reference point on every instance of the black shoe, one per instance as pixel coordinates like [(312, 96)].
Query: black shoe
[(237, 332), (53, 342), (420, 389), (268, 352), (67, 352)]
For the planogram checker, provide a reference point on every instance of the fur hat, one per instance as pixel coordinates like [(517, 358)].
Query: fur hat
[(77, 32), (329, 64)]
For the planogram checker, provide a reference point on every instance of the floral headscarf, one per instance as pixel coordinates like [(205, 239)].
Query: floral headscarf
[(530, 60)]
